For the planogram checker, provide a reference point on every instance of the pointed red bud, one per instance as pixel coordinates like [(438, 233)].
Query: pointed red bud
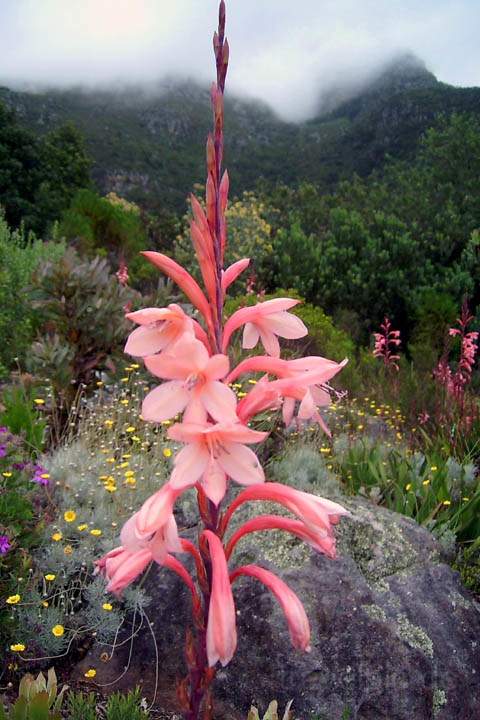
[(216, 43), (211, 155), (224, 187), (225, 53), (221, 18), (210, 196)]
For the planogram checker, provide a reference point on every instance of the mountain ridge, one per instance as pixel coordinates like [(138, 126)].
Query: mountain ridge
[(149, 146)]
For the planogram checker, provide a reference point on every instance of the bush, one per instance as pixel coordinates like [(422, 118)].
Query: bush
[(82, 306), (109, 227), (20, 256)]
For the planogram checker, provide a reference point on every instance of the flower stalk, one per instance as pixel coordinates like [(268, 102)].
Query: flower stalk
[(191, 357)]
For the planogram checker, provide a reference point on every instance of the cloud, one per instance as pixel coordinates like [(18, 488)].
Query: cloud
[(286, 52)]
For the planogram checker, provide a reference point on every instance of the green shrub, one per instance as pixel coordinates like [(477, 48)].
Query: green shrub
[(82, 706), (125, 707), (19, 258), (82, 306), (108, 227)]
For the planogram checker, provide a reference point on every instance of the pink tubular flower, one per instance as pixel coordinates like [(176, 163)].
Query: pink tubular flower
[(317, 513), (156, 512), (318, 542), (185, 282), (295, 615), (194, 385), (383, 341), (302, 380), (213, 453), (231, 273), (265, 321), (159, 329), (121, 567), (123, 564), (221, 627)]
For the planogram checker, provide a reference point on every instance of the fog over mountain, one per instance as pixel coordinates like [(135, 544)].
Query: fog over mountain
[(293, 55)]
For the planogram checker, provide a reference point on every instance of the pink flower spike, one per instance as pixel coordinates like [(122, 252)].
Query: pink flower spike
[(160, 328), (213, 453), (231, 273), (184, 281), (265, 321), (318, 542), (221, 627), (262, 397), (194, 385), (295, 615)]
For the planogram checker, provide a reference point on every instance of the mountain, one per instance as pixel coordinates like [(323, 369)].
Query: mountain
[(148, 143)]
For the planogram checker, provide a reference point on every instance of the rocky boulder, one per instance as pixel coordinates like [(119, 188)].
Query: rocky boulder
[(394, 633)]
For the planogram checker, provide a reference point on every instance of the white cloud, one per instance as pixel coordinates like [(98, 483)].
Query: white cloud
[(286, 52)]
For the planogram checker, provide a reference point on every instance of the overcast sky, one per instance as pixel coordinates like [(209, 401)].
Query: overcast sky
[(286, 52)]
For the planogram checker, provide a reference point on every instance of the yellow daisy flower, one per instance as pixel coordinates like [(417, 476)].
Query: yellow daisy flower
[(57, 536), (17, 647), (13, 599), (50, 577), (107, 606), (90, 673), (95, 532), (69, 516), (58, 630)]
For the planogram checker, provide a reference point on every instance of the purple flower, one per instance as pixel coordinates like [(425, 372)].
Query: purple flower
[(41, 476), (3, 450), (19, 466), (5, 544), (3, 430)]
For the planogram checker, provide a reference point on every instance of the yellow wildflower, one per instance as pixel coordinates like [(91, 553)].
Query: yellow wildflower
[(124, 402), (130, 429), (129, 473), (108, 423), (408, 487), (434, 468), (39, 401), (45, 603), (69, 516), (447, 502), (426, 482), (167, 452), (111, 488), (135, 366), (58, 630), (13, 599), (90, 673), (67, 550), (50, 577), (82, 527), (17, 647), (57, 536), (107, 606), (124, 380), (95, 532), (7, 474)]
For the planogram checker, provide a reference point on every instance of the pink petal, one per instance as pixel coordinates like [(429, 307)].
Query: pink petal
[(250, 336), (145, 340), (221, 626), (288, 410), (220, 401), (217, 367), (286, 325), (165, 402), (195, 411), (241, 464), (307, 407), (270, 341), (214, 482), (190, 464), (146, 316)]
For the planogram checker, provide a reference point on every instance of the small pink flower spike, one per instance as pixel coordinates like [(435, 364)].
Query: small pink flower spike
[(194, 385), (221, 627), (295, 615), (185, 282), (213, 453), (203, 244), (160, 328), (265, 321)]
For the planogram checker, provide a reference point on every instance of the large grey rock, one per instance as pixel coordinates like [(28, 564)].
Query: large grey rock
[(394, 634)]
